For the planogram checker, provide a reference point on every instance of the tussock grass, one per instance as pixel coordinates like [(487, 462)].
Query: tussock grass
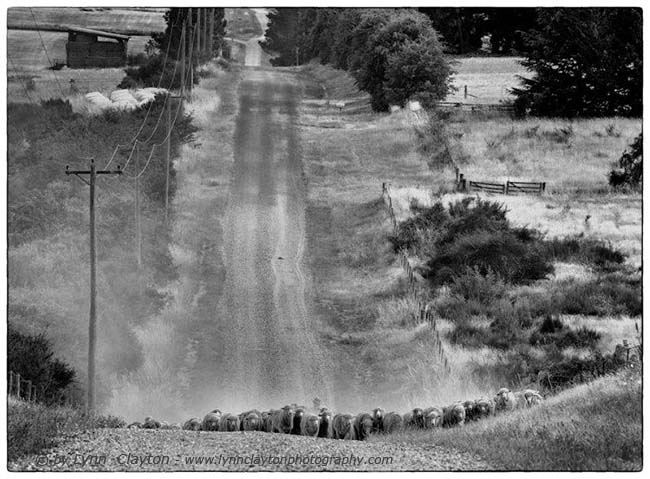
[(592, 427)]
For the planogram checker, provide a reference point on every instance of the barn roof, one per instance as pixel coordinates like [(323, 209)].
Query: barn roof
[(99, 33)]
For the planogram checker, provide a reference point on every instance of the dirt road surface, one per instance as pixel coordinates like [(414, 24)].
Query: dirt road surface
[(264, 352), (149, 450)]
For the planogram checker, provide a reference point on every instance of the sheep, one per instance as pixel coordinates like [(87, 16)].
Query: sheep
[(310, 425), (282, 420), (362, 425), (267, 421), (164, 425), (150, 423), (378, 420), (211, 421), (175, 426), (297, 420), (533, 397), (135, 425), (414, 419), (484, 407), (470, 410), (505, 400), (453, 415), (392, 422), (229, 423), (252, 421), (520, 400), (325, 424), (343, 427), (432, 417), (192, 424), (241, 417), (407, 420)]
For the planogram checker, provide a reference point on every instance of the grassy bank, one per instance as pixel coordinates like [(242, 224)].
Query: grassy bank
[(32, 428), (592, 427)]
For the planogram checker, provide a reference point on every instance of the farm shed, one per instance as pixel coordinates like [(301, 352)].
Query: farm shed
[(85, 50)]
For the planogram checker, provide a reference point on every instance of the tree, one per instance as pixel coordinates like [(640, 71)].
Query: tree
[(418, 71), (399, 39), (587, 62)]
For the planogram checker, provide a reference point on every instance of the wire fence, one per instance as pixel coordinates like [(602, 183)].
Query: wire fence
[(424, 315), (22, 389)]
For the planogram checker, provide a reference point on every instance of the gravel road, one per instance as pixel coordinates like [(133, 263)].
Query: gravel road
[(149, 450)]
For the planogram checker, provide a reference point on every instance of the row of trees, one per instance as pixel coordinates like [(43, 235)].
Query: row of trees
[(463, 28), (394, 54), (204, 38), (586, 61)]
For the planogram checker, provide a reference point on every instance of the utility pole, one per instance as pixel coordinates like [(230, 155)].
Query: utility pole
[(210, 33), (183, 39), (190, 61), (198, 36), (92, 324), (138, 223), (167, 156), (204, 43)]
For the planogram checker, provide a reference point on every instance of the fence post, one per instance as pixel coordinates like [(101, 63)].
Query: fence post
[(18, 385), (507, 187), (33, 393), (543, 187), (465, 91), (28, 396), (11, 383), (457, 171)]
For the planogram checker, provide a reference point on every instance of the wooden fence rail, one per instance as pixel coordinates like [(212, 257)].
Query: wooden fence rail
[(507, 188)]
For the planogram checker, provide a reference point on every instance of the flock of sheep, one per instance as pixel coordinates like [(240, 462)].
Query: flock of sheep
[(294, 419)]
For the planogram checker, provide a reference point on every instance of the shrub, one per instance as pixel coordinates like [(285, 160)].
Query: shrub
[(608, 295), (472, 285), (564, 338), (629, 171), (580, 249), (32, 357), (503, 252)]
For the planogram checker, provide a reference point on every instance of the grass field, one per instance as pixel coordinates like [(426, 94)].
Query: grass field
[(129, 21), (488, 79)]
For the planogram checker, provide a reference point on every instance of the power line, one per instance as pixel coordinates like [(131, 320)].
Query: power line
[(135, 137), (46, 54)]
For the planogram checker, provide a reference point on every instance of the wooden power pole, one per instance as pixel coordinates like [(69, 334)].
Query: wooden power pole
[(168, 155), (138, 220), (183, 59), (92, 324), (197, 27), (210, 33)]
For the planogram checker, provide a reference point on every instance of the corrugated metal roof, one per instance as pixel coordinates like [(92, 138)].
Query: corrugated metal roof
[(99, 33)]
